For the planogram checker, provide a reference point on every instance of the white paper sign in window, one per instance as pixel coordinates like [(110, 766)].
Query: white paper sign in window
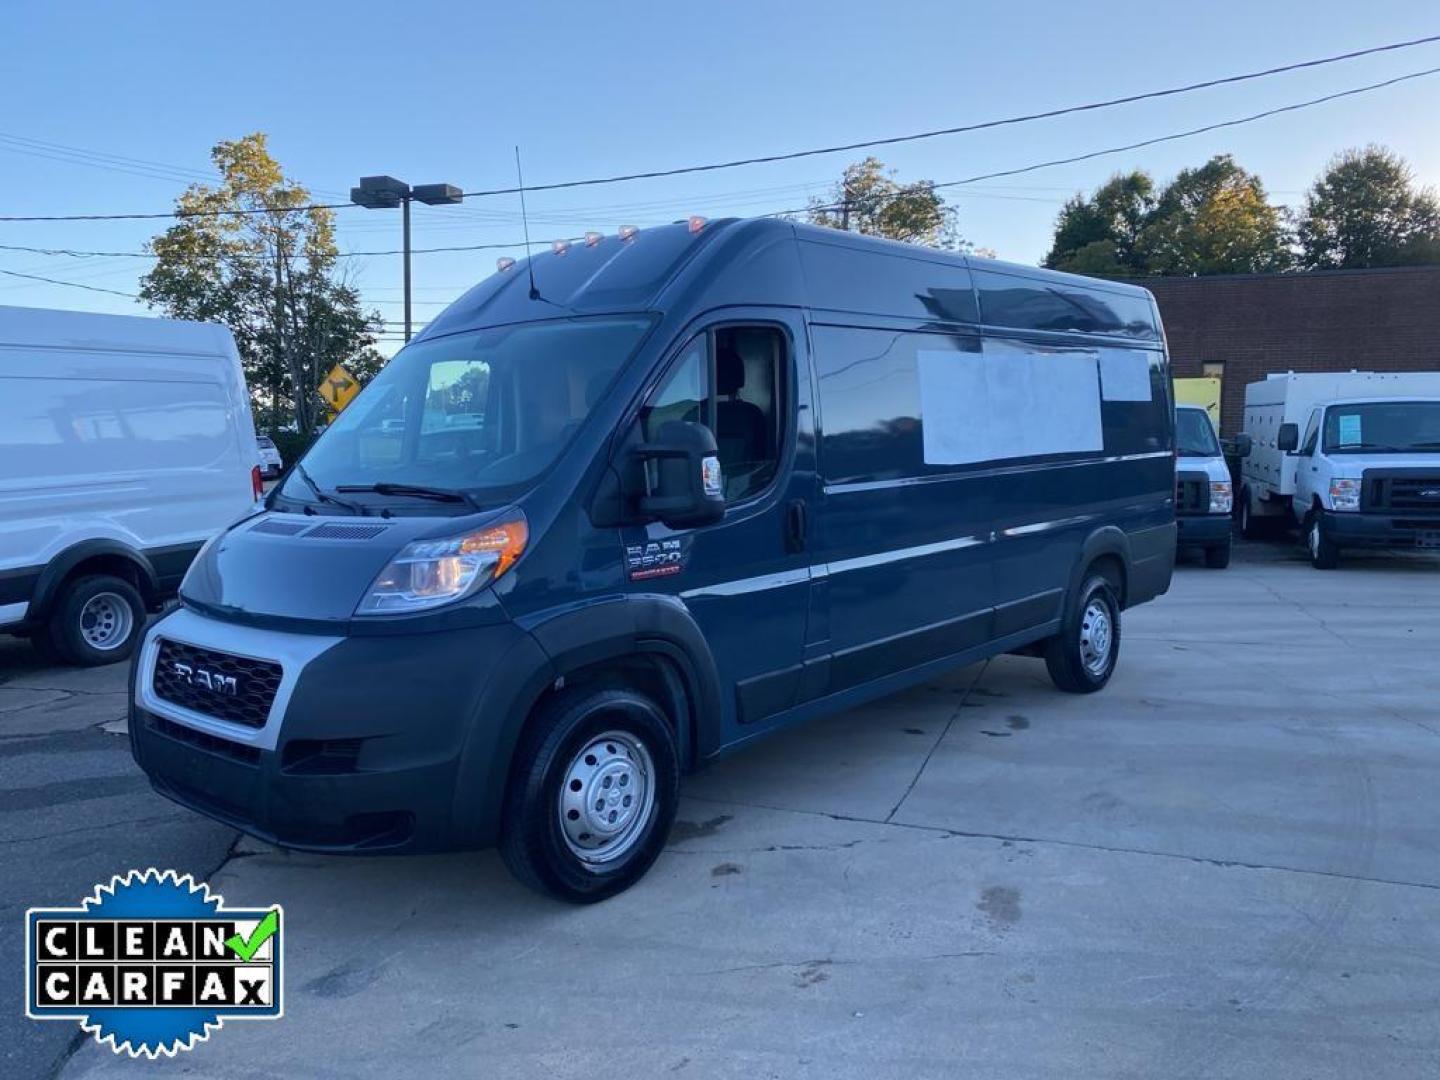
[(1124, 375), (1008, 402)]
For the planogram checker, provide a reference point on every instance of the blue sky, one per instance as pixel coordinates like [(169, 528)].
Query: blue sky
[(592, 89)]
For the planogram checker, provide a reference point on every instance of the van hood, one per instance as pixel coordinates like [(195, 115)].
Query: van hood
[(311, 568), (1352, 465)]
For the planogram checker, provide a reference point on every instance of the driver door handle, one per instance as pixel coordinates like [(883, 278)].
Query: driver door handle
[(795, 525)]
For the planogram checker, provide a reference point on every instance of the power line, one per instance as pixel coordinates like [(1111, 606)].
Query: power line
[(796, 154), (70, 284)]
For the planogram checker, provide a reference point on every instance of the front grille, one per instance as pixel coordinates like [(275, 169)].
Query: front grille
[(1403, 493), (1192, 495), (201, 680)]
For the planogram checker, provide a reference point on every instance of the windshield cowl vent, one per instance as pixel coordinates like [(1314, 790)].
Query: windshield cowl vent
[(330, 530)]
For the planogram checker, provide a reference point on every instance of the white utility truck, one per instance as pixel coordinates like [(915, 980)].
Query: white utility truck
[(125, 444), (1352, 458), (1202, 485)]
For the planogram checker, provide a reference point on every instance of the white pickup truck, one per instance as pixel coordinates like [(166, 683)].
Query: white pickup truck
[(1352, 458)]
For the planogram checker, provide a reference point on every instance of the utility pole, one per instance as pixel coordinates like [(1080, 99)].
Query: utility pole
[(386, 193)]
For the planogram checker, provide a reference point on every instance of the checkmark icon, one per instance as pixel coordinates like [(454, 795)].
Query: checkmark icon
[(245, 948)]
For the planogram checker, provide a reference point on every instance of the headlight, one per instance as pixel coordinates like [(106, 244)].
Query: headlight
[(429, 573), (1220, 498), (1345, 494)]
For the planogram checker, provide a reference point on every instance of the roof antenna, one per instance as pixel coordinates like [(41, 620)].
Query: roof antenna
[(525, 221)]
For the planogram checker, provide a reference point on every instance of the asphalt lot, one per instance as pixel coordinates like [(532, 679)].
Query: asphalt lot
[(1223, 865)]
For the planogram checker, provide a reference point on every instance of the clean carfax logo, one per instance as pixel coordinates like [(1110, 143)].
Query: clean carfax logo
[(152, 962)]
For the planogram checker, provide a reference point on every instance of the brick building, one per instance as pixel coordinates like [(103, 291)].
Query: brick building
[(1245, 326)]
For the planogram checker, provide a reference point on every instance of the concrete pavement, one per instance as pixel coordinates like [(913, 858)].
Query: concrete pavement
[(1225, 864)]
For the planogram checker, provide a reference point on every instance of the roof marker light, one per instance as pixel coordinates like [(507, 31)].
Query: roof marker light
[(627, 232), (696, 223), (504, 263), (592, 238), (560, 247)]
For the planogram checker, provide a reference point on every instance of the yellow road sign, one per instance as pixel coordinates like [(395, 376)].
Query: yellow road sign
[(339, 388)]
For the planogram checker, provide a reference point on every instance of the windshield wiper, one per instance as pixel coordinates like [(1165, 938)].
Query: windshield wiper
[(418, 491), (354, 508)]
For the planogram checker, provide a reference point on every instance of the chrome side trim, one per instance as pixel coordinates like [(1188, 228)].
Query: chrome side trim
[(999, 470), (291, 651), (13, 613), (741, 586), (919, 551)]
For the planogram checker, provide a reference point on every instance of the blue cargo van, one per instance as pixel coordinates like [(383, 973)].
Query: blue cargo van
[(633, 503)]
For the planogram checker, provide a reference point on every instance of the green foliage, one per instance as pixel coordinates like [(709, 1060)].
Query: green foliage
[(1100, 235), (1365, 210), (1214, 219), (270, 276), (869, 200)]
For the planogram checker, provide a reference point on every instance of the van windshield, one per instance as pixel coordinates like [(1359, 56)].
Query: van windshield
[(1383, 427), (1194, 437), (478, 412)]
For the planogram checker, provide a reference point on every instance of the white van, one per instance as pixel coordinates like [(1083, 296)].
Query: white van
[(1202, 485), (125, 443), (1352, 458)]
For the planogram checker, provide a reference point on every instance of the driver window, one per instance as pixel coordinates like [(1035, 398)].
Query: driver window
[(732, 381), (1312, 433)]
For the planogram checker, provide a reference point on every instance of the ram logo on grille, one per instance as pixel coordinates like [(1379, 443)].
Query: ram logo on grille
[(207, 680)]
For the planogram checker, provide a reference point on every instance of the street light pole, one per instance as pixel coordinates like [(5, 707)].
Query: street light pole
[(386, 193)]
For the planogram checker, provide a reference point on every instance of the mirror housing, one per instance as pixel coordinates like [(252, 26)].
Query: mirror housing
[(1243, 445), (1288, 437), (688, 488)]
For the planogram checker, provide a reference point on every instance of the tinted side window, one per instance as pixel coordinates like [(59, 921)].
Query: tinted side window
[(1312, 434), (870, 400), (874, 282), (1040, 304)]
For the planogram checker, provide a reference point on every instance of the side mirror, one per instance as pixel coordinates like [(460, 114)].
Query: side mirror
[(685, 485), (1288, 437), (1243, 445)]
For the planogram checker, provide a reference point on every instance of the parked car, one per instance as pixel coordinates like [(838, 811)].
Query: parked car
[(271, 464), (1203, 488), (1362, 471), (724, 477), (125, 444)]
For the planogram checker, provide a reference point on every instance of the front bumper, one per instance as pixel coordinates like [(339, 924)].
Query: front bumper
[(1360, 529), (1206, 529), (372, 744)]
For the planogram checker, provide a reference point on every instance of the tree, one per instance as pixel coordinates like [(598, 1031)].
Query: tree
[(239, 253), (1098, 235), (869, 200), (1214, 220), (1365, 210)]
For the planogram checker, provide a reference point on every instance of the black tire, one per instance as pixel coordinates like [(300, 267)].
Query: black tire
[(74, 632), (1324, 552), (1253, 527), (1067, 657), (1217, 556), (533, 839)]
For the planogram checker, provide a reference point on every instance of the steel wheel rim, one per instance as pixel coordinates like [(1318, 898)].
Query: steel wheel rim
[(106, 621), (1315, 539), (607, 796), (1097, 637)]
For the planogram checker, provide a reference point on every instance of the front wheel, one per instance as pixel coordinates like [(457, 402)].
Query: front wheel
[(592, 795), (1324, 552), (1081, 657)]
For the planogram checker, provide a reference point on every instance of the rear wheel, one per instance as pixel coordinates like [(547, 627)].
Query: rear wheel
[(1254, 526), (1217, 556), (592, 795), (1081, 657), (1324, 552), (97, 620)]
